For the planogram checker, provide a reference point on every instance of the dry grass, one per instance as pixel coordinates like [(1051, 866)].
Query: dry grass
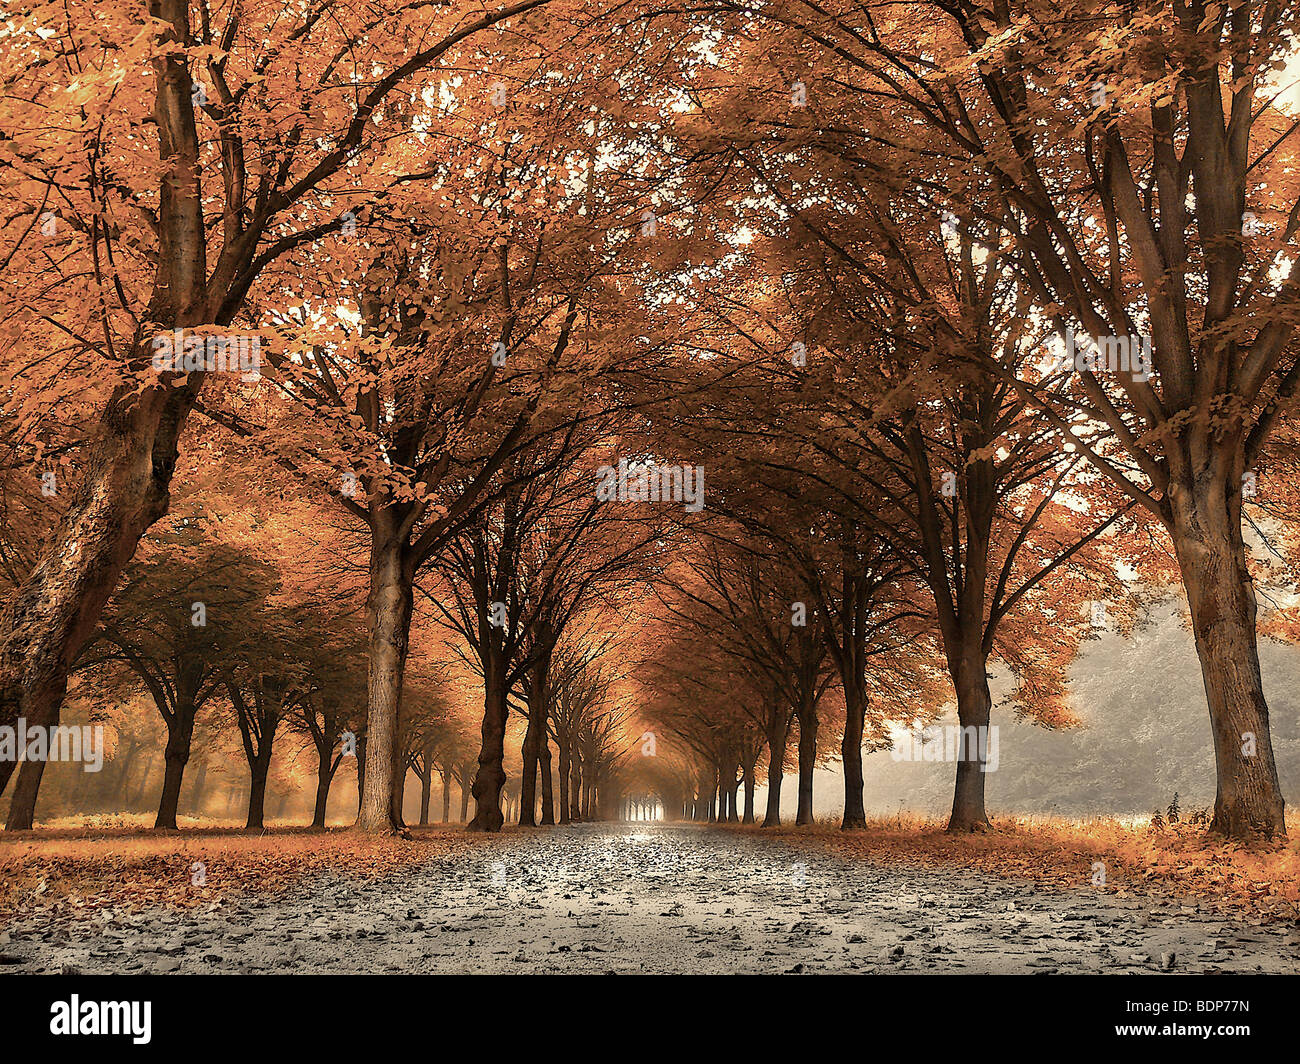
[(1259, 881), (82, 867)]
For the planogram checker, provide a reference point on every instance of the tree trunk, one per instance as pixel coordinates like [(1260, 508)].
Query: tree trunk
[(257, 792), (1221, 598), (491, 775), (180, 732), (777, 737), (564, 770), (748, 778), (324, 777), (361, 771), (446, 796), (388, 616), (123, 492), (548, 783), (128, 466), (575, 784), (426, 790), (808, 724), (855, 715), (534, 736), (974, 703), (733, 787), (399, 790)]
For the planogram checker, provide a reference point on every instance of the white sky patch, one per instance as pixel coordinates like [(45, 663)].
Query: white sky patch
[(1288, 80)]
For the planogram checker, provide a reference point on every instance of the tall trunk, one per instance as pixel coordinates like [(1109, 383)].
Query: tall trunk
[(400, 770), (808, 724), (388, 616), (124, 491), (733, 786), (778, 735), (169, 800), (180, 732), (1221, 598), (258, 720), (534, 736), (855, 715), (548, 783), (127, 468), (575, 782), (528, 756), (361, 771), (748, 777), (446, 796), (257, 791), (426, 789), (324, 777), (491, 776), (974, 703), (464, 795), (563, 743)]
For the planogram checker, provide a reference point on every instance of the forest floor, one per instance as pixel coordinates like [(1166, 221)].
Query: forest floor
[(613, 898)]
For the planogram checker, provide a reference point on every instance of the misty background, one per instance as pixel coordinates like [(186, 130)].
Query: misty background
[(1145, 735)]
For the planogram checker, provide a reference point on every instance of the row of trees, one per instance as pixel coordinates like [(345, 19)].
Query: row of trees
[(978, 317), (951, 196)]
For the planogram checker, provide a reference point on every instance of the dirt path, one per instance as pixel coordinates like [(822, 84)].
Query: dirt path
[(603, 898)]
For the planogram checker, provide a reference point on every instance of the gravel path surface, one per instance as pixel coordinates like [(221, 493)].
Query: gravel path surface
[(648, 898)]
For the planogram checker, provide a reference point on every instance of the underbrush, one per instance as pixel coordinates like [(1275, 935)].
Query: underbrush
[(1120, 855), (81, 868)]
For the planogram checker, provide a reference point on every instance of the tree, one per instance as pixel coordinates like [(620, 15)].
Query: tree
[(289, 136), (1122, 166), (178, 624)]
